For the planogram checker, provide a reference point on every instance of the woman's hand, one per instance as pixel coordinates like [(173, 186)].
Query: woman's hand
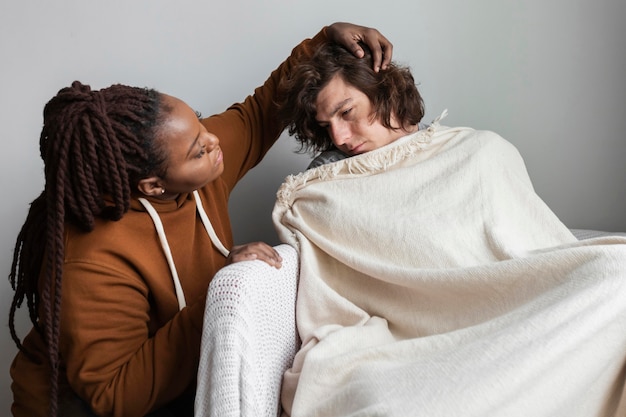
[(349, 36), (255, 250)]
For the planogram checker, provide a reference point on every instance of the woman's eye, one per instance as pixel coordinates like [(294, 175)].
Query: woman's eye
[(346, 112), (201, 153)]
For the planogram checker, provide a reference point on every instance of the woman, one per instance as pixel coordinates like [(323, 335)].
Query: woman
[(116, 254)]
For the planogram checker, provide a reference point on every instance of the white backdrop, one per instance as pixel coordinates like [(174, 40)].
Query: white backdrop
[(548, 76)]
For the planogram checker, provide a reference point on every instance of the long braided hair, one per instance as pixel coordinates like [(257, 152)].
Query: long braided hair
[(96, 146)]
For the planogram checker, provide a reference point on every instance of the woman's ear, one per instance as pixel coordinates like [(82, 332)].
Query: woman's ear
[(151, 186)]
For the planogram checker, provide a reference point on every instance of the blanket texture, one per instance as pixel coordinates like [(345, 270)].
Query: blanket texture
[(434, 281)]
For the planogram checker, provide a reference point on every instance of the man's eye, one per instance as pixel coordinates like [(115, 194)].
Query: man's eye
[(345, 112)]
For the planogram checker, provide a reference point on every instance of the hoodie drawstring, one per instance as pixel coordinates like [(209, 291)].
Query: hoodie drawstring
[(209, 227), (180, 295)]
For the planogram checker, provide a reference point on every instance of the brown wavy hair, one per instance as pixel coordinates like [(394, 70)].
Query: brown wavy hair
[(96, 146), (392, 92)]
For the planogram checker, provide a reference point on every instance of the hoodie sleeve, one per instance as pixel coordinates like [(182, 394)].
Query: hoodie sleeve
[(247, 130)]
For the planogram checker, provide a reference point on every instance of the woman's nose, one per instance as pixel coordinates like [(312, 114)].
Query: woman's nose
[(211, 141)]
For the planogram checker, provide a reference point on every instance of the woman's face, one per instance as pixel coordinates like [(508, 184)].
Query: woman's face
[(194, 154), (346, 113)]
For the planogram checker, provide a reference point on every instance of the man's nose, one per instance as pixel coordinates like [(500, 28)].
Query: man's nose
[(340, 133)]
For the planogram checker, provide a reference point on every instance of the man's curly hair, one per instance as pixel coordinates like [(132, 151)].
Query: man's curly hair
[(392, 92)]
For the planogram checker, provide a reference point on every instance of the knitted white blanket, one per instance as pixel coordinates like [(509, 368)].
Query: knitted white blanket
[(435, 282)]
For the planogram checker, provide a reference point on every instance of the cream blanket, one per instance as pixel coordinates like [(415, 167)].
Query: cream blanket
[(435, 282)]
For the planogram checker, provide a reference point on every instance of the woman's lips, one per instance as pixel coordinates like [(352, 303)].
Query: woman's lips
[(220, 157)]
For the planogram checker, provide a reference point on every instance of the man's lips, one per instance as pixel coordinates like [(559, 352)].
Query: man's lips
[(356, 150)]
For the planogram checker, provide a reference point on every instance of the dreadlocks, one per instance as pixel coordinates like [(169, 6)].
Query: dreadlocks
[(96, 146)]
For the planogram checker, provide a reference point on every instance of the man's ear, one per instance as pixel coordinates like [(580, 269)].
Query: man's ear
[(151, 186)]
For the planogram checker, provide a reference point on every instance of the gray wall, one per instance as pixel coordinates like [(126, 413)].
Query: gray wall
[(547, 75)]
